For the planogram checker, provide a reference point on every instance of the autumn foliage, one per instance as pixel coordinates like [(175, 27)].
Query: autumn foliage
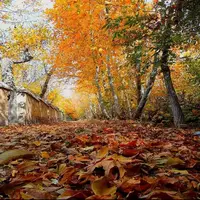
[(108, 47), (99, 160)]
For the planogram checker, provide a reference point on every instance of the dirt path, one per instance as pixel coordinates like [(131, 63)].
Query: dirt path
[(98, 160)]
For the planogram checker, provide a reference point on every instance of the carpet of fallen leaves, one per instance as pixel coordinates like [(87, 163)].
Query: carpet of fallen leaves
[(98, 160)]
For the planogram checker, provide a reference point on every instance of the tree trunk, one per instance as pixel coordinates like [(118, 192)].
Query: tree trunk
[(129, 105), (112, 89), (138, 83), (13, 108), (147, 91), (7, 72), (45, 86), (100, 98), (8, 78), (125, 95), (177, 112)]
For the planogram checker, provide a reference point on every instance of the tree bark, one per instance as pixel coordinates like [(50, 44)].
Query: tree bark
[(46, 83), (177, 112), (112, 89), (100, 98), (8, 78), (125, 97), (147, 91), (138, 83), (129, 105), (7, 72)]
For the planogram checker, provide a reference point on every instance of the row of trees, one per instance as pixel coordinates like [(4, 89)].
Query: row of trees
[(117, 50), (27, 50)]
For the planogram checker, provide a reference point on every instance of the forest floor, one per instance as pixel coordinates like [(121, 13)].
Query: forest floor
[(99, 160)]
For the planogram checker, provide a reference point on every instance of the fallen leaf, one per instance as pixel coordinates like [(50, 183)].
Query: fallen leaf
[(129, 152), (103, 197), (14, 172), (37, 143), (108, 130), (174, 161), (162, 194), (101, 187), (129, 144), (25, 196), (74, 194), (129, 184), (102, 152), (37, 194), (44, 154), (67, 175), (7, 156), (182, 172)]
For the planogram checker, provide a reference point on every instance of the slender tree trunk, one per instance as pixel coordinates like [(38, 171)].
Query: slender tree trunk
[(46, 83), (147, 91), (138, 83), (177, 112), (125, 95), (8, 78), (129, 105), (91, 111), (112, 89), (116, 105), (100, 98), (7, 72)]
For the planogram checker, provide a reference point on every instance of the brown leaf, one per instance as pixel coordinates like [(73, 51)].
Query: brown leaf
[(67, 175), (103, 197), (38, 194), (162, 194), (20, 179), (74, 194), (101, 187), (27, 166), (102, 152), (7, 156), (129, 185)]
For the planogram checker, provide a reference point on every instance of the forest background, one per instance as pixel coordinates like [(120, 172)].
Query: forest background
[(123, 59)]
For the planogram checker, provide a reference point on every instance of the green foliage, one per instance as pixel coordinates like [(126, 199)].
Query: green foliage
[(194, 69)]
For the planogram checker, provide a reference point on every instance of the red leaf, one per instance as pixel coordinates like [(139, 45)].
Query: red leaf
[(129, 144), (129, 152)]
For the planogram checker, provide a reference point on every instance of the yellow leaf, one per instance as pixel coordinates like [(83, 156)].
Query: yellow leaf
[(14, 172), (174, 161), (61, 168), (182, 172), (100, 50), (44, 154), (102, 152), (101, 187), (25, 196), (37, 143), (121, 158)]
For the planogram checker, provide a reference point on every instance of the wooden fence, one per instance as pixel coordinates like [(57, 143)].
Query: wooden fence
[(20, 106)]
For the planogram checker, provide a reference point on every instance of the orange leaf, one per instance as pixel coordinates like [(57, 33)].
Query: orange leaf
[(37, 143), (44, 154)]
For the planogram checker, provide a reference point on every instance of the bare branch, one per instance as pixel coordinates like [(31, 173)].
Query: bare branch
[(26, 57)]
